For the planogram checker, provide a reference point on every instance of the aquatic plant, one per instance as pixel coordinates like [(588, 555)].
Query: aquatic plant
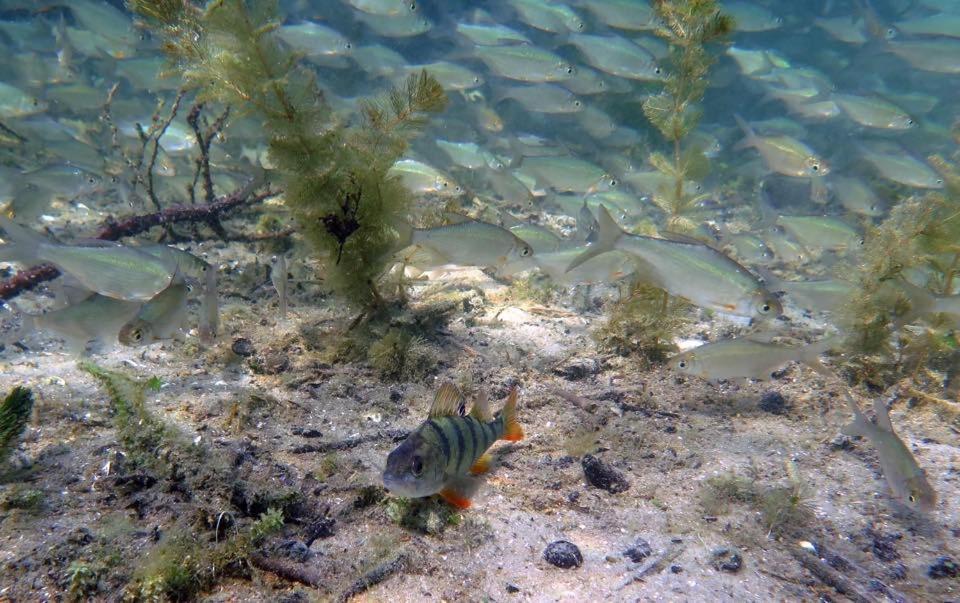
[(688, 26), (782, 507), (82, 581), (14, 414), (140, 433), (430, 515), (918, 237), (180, 567), (334, 177), (401, 356), (643, 324)]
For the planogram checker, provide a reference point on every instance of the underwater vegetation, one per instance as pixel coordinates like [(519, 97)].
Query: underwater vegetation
[(689, 27), (643, 324), (334, 177), (14, 415)]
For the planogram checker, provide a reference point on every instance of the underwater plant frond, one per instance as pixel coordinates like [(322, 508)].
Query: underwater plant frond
[(14, 414), (334, 177)]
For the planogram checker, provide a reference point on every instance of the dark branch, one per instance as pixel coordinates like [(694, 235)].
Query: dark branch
[(112, 230)]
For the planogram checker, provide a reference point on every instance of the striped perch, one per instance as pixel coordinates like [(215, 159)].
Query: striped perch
[(440, 456)]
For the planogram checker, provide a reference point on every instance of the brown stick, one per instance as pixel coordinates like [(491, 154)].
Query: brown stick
[(112, 230), (288, 570)]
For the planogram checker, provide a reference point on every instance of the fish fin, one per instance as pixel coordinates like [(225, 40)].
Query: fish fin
[(508, 220), (859, 426), (482, 465), (749, 136), (459, 490), (447, 402), (810, 354), (422, 256), (882, 413), (481, 409), (21, 243), (608, 233), (512, 432)]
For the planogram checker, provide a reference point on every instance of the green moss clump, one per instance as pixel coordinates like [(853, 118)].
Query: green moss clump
[(82, 581), (689, 26), (401, 356), (142, 435), (537, 287), (335, 177), (22, 498), (181, 566), (428, 515), (782, 507), (14, 414), (643, 325)]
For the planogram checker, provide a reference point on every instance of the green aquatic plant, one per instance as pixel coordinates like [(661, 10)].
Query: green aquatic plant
[(688, 26), (182, 566), (920, 236), (82, 581), (14, 414), (643, 324), (335, 177), (141, 434), (401, 356)]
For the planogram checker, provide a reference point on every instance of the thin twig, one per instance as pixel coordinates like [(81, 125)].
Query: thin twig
[(374, 577), (352, 442), (25, 280)]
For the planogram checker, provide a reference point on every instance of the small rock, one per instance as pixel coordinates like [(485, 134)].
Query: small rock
[(883, 545), (578, 368), (639, 551), (727, 560), (294, 549), (321, 528), (512, 589), (841, 442), (243, 347), (603, 476), (563, 554), (675, 569), (774, 403), (306, 433), (943, 567)]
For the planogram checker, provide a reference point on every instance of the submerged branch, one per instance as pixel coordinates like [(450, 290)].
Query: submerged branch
[(24, 280)]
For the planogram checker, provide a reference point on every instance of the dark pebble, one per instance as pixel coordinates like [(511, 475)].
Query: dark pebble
[(882, 544), (842, 442), (774, 403), (293, 549), (639, 551), (321, 528), (943, 567), (578, 368), (243, 347), (603, 476), (306, 433), (563, 554), (675, 569), (512, 589), (727, 560)]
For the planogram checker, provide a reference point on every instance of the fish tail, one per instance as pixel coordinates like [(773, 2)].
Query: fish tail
[(22, 243), (608, 233), (810, 354), (27, 325), (749, 136), (512, 432), (859, 426)]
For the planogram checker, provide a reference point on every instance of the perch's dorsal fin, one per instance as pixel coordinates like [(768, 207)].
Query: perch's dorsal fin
[(481, 409), (447, 402)]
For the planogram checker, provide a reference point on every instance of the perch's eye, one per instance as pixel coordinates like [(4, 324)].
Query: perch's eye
[(765, 308), (815, 167), (524, 251), (136, 335), (416, 466), (682, 364)]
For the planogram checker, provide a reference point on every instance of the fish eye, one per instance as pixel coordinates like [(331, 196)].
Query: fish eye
[(657, 70), (576, 103), (765, 308), (413, 6), (570, 69), (910, 121), (682, 364), (815, 167), (136, 335), (416, 466), (939, 181), (912, 498), (613, 182), (348, 45), (476, 80), (525, 251)]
